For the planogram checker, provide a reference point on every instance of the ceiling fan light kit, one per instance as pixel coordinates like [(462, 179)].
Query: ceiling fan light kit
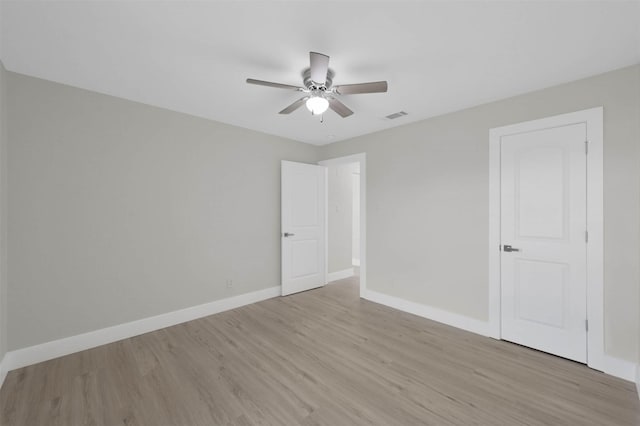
[(317, 105), (320, 94)]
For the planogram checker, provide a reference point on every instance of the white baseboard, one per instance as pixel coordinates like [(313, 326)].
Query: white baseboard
[(620, 368), (339, 275), (355, 262), (3, 370), (456, 320), (57, 348)]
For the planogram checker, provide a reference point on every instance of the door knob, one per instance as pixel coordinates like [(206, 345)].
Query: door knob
[(510, 249), (288, 234)]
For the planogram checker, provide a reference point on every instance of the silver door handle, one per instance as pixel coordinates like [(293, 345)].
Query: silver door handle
[(510, 249), (288, 234)]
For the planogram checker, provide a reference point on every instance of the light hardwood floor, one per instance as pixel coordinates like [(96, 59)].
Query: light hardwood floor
[(323, 357)]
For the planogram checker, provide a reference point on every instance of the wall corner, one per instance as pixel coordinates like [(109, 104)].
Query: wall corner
[(638, 380)]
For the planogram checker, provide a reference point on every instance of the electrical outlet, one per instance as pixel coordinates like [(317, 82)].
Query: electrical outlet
[(229, 283)]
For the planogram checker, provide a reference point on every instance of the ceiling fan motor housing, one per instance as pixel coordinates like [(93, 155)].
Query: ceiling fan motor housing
[(312, 85)]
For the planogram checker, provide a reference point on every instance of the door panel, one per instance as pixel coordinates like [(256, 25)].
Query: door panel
[(303, 226), (539, 191), (304, 258), (543, 213), (304, 194), (540, 289)]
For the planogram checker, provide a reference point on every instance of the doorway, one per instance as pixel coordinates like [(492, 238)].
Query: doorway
[(346, 218), (546, 263)]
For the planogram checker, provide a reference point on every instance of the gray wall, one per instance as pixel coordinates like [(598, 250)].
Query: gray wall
[(427, 201), (340, 216), (120, 211), (3, 213)]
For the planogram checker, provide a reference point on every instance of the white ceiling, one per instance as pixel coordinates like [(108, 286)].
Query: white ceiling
[(438, 57)]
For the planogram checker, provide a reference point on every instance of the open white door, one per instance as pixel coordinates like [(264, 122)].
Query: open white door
[(303, 227), (544, 248)]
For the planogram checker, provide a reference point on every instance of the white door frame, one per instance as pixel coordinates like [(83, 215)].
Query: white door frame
[(362, 160), (595, 206)]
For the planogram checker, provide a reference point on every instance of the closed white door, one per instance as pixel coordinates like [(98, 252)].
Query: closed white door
[(303, 226), (543, 232)]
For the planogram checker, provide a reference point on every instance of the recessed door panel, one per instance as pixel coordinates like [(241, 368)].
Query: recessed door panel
[(304, 258), (540, 188), (540, 289), (304, 189)]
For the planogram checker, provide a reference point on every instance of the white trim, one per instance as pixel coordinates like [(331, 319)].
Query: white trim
[(595, 247), (495, 304), (355, 262), (595, 219), (449, 318), (362, 160), (617, 367), (326, 279), (339, 275), (3, 370), (57, 348)]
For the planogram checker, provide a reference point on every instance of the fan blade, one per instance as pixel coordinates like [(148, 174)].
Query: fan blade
[(339, 107), (271, 84), (353, 89), (319, 67), (294, 106)]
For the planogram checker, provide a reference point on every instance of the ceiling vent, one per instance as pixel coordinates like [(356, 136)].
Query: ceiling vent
[(396, 115)]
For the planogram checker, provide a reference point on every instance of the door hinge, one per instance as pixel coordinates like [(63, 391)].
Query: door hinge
[(586, 236), (586, 147), (586, 325)]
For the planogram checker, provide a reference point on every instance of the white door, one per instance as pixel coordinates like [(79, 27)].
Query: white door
[(303, 226), (543, 229)]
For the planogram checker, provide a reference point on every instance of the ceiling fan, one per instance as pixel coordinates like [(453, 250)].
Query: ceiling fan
[(318, 89)]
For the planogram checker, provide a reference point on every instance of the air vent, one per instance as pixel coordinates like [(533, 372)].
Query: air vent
[(396, 115)]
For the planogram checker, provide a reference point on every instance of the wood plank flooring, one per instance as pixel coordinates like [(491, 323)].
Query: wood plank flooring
[(323, 357)]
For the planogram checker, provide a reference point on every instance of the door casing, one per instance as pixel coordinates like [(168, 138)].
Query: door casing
[(593, 119)]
